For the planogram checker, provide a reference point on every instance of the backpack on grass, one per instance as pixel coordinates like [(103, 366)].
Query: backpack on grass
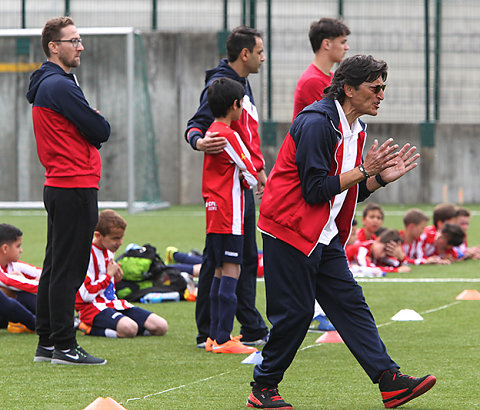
[(145, 272)]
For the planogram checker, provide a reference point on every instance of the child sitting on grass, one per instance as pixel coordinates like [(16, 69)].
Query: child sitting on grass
[(372, 220), (101, 312), (18, 280)]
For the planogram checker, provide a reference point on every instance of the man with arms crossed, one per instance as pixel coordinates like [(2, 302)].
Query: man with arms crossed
[(69, 134)]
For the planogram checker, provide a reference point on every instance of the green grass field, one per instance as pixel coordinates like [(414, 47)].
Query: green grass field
[(171, 373)]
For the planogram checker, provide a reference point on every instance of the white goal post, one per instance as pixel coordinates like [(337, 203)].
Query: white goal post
[(131, 204)]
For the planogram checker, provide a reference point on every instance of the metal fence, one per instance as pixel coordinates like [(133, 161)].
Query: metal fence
[(431, 46)]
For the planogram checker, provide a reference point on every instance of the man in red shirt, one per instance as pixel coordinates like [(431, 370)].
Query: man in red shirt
[(328, 38)]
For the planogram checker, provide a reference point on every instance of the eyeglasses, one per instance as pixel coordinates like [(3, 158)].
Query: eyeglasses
[(75, 42), (376, 88)]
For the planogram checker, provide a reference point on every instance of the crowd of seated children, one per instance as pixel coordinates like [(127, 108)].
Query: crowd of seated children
[(441, 243)]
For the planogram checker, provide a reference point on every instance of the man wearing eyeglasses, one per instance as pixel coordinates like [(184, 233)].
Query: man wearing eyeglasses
[(69, 134), (305, 218)]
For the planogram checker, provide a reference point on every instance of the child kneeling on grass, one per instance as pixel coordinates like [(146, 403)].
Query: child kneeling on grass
[(101, 312)]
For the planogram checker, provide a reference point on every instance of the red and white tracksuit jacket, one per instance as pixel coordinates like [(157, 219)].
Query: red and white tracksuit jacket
[(26, 282), (301, 188), (97, 292)]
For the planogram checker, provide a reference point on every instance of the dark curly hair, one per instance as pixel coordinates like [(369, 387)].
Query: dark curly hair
[(354, 71)]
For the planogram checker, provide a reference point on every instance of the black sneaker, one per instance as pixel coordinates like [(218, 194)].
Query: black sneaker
[(75, 356), (256, 342), (266, 397), (398, 388), (42, 354)]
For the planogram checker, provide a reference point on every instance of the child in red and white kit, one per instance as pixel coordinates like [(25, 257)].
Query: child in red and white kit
[(101, 312), (384, 252), (372, 220), (18, 280), (18, 283), (225, 177)]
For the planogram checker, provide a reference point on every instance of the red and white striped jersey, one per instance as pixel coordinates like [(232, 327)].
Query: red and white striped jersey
[(222, 188), (97, 292), (26, 281), (414, 252), (360, 254), (428, 238)]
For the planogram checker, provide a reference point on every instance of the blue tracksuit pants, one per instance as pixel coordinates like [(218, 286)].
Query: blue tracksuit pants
[(293, 281)]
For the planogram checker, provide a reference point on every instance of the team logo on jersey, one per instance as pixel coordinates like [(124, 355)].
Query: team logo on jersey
[(211, 205)]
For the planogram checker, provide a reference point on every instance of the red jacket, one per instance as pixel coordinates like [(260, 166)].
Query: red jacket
[(305, 179), (67, 130)]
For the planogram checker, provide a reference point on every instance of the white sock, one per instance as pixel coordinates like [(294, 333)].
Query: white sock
[(110, 333)]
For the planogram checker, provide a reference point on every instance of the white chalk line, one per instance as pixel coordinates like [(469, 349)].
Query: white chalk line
[(300, 350), (426, 312), (177, 387), (417, 280)]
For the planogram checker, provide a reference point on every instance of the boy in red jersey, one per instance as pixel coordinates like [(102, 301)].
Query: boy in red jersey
[(225, 177), (17, 279), (384, 252), (372, 219), (413, 237), (101, 312), (18, 283)]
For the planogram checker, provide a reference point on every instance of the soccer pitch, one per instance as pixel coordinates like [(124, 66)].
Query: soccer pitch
[(171, 373)]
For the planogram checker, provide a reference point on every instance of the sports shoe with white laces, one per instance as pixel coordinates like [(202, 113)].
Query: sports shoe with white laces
[(77, 355), (398, 388), (266, 397)]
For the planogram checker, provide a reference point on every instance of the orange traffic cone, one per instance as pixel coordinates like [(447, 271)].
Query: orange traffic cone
[(469, 294), (103, 403), (330, 337)]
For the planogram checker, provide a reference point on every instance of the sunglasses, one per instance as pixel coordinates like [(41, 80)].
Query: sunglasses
[(376, 88)]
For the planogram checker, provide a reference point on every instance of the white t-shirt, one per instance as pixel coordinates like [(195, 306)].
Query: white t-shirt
[(350, 137)]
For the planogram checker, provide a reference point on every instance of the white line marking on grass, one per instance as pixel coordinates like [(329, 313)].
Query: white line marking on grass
[(409, 280), (300, 350), (440, 308), (178, 387), (425, 312), (417, 280)]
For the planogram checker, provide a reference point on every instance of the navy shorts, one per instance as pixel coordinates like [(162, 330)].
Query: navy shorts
[(109, 317), (224, 248)]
